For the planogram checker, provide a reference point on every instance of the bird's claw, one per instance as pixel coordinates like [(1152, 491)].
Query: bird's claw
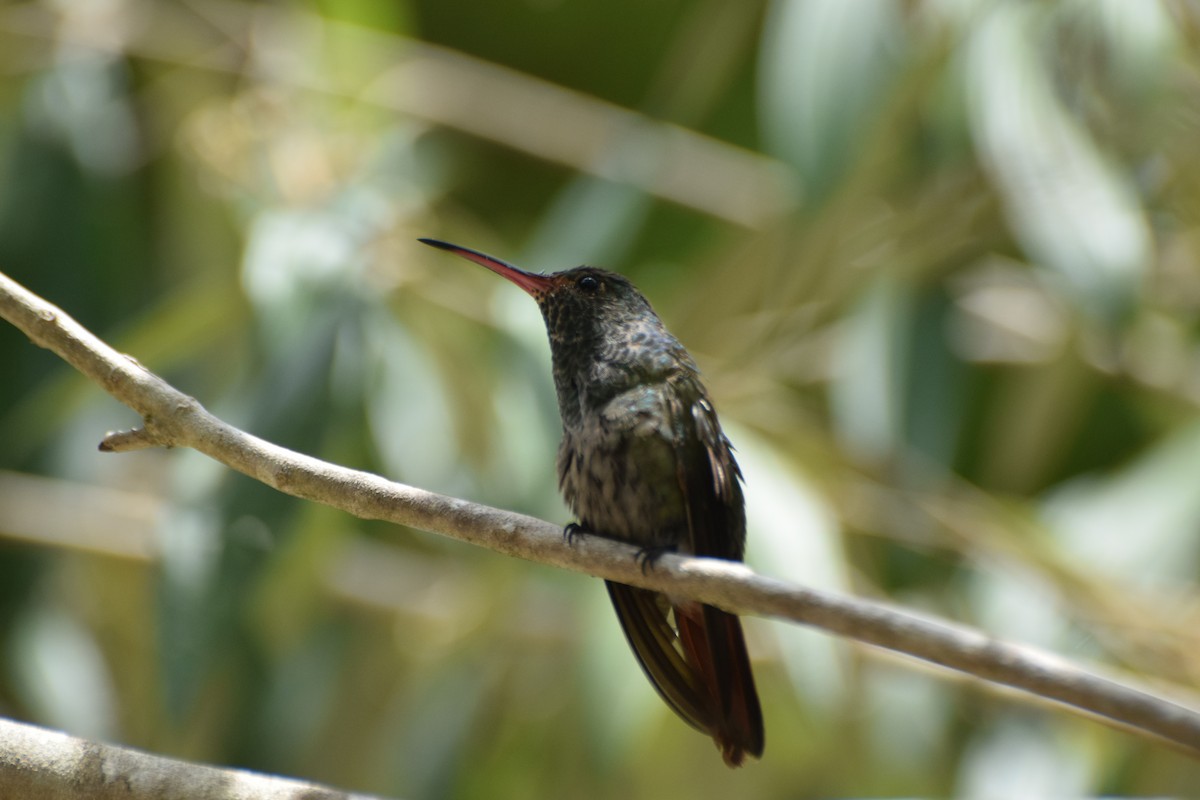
[(571, 531), (647, 556)]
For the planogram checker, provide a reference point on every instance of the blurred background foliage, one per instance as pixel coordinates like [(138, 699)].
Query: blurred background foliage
[(939, 259)]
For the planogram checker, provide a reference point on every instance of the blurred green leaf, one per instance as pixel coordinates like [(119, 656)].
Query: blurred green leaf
[(1070, 209), (826, 66)]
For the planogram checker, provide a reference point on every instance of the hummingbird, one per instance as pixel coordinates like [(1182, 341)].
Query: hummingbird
[(643, 460)]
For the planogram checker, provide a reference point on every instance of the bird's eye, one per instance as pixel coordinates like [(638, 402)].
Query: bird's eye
[(589, 284)]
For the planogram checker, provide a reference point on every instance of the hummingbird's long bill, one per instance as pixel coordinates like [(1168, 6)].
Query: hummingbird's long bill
[(531, 282)]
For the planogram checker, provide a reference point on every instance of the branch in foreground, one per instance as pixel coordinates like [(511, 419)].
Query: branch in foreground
[(37, 763), (173, 419)]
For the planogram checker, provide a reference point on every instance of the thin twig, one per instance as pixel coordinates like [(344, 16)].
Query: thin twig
[(172, 418)]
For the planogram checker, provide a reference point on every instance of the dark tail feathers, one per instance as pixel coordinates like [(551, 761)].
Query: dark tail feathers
[(702, 671)]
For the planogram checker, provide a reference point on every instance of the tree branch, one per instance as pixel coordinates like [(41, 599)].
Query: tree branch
[(173, 419), (42, 764)]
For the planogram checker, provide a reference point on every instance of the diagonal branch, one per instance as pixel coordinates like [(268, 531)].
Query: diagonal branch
[(173, 419)]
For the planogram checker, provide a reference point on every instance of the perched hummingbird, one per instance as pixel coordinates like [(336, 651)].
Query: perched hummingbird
[(643, 460)]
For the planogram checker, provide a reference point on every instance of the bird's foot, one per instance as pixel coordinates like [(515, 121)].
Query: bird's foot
[(572, 530), (646, 556)]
